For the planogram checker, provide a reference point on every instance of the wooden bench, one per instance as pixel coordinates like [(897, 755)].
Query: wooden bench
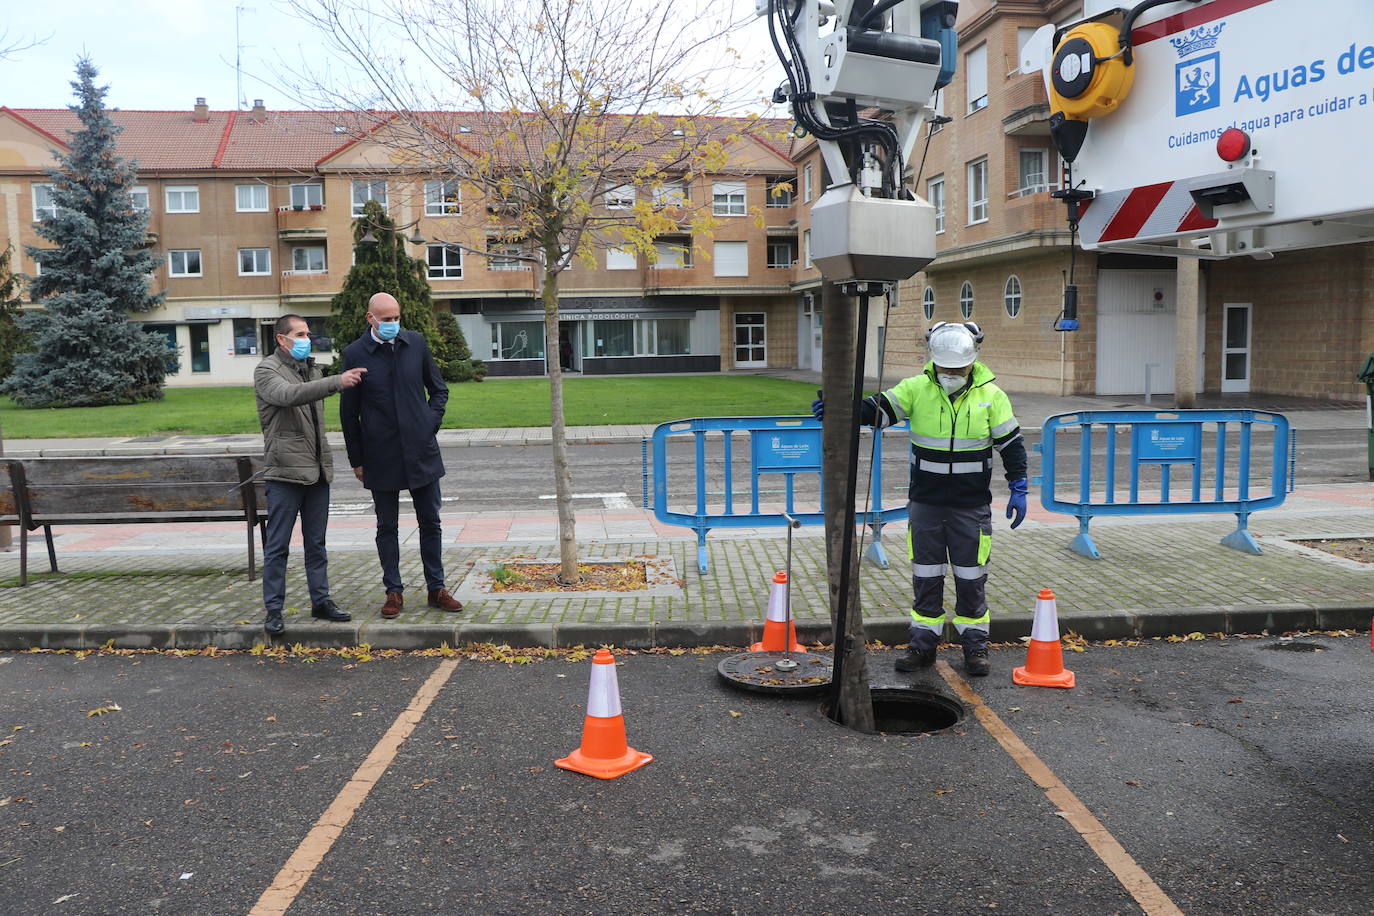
[(42, 492)]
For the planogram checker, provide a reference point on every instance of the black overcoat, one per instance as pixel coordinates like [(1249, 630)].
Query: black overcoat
[(389, 420)]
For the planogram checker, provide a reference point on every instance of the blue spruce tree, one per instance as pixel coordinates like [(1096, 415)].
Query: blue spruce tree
[(83, 349)]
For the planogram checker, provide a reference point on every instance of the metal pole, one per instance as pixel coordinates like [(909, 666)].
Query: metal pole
[(851, 487), (787, 664)]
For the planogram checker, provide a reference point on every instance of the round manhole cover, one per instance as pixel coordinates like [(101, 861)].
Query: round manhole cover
[(768, 672), (911, 710)]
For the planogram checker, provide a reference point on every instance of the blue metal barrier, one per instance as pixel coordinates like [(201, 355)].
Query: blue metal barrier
[(1163, 441), (788, 446)]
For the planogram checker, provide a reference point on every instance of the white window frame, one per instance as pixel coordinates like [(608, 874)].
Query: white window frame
[(447, 270), (673, 253), (729, 252), (806, 248), (1012, 296), (808, 183), (304, 192), (671, 194), (780, 198), (928, 303), (978, 185), (976, 78), (172, 259), (935, 196), (182, 191), (43, 212), (1045, 184), (324, 260), (255, 273), (623, 257), (437, 194), (370, 186), (620, 197), (505, 256), (728, 198), (790, 245), (252, 190), (140, 191), (966, 300)]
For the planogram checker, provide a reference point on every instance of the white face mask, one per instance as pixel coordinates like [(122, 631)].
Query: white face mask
[(951, 383)]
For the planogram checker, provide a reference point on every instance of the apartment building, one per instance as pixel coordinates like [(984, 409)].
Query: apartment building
[(1300, 323), (252, 215)]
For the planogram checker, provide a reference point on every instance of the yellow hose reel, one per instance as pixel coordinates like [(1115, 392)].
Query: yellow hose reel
[(1090, 76)]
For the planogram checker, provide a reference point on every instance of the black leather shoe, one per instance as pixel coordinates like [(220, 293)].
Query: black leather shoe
[(915, 659), (328, 610), (274, 625), (976, 663)]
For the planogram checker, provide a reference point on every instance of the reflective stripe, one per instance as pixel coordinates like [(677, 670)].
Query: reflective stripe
[(603, 696), (970, 572), (942, 443), (958, 467), (1001, 429), (898, 412), (972, 623), (929, 571), (930, 623), (1002, 445)]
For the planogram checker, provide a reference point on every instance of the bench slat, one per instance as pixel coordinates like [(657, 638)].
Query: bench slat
[(155, 469)]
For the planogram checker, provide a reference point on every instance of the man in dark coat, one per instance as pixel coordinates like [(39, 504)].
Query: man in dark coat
[(389, 426)]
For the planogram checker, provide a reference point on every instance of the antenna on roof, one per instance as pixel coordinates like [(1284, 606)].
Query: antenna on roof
[(241, 100)]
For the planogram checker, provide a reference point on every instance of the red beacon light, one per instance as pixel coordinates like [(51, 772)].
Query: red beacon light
[(1233, 144)]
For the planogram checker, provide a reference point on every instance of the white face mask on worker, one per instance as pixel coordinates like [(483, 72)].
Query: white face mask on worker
[(951, 383)]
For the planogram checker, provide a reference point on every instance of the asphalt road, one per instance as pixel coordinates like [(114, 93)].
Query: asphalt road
[(1236, 774), (519, 478)]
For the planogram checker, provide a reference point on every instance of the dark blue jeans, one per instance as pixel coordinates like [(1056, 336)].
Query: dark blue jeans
[(285, 501), (427, 501)]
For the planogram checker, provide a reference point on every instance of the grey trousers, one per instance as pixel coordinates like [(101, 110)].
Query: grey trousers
[(286, 501), (941, 538)]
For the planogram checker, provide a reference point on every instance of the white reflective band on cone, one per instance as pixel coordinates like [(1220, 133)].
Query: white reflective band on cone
[(603, 697), (777, 601), (1046, 626)]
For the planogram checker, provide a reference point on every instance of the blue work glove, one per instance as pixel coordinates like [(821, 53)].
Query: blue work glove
[(1016, 505), (818, 406)]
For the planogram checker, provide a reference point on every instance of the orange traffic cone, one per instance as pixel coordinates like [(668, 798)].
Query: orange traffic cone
[(779, 630), (1045, 659), (604, 752)]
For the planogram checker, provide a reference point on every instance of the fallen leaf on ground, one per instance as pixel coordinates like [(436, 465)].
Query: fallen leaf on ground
[(102, 710)]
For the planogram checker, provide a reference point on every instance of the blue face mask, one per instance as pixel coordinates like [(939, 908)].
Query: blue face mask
[(387, 330), (300, 347)]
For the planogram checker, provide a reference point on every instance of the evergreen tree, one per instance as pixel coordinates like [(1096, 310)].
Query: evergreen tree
[(11, 338), (383, 266), (84, 350), (457, 364)]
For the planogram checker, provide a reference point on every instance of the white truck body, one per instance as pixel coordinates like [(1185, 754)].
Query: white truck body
[(1296, 75)]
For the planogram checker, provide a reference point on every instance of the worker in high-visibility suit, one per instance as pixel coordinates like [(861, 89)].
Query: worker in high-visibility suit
[(958, 419)]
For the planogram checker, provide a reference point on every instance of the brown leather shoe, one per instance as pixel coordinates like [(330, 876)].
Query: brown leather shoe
[(392, 608), (441, 599)]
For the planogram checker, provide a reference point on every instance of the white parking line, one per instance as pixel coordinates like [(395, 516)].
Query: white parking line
[(608, 500)]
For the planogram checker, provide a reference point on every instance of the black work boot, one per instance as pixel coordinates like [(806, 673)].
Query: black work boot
[(976, 662), (915, 659), (274, 625)]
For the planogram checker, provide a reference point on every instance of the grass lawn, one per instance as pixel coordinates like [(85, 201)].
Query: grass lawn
[(495, 402)]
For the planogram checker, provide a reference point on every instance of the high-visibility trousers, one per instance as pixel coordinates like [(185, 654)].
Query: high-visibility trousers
[(941, 539)]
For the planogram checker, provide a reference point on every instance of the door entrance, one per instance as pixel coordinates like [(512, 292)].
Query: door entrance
[(751, 340), (569, 346), (1235, 347)]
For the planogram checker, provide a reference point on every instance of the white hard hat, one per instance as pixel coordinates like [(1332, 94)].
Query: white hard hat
[(953, 346)]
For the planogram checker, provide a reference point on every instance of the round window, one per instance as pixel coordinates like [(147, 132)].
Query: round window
[(1011, 296)]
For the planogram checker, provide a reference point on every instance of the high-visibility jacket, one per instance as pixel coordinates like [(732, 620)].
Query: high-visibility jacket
[(952, 439)]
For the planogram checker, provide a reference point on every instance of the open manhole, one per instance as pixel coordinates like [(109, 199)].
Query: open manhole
[(910, 710)]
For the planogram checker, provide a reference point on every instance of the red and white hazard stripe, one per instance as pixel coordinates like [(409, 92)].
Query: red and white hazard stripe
[(1151, 211)]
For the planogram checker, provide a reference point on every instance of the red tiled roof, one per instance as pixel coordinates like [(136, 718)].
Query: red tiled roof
[(291, 140)]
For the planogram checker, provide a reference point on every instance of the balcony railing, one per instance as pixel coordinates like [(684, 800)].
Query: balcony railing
[(1028, 108), (306, 282), (302, 223)]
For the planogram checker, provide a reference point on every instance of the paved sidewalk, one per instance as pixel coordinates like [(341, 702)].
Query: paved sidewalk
[(185, 585)]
